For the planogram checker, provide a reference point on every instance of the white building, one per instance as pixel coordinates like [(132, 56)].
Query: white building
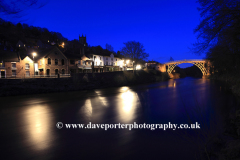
[(108, 63)]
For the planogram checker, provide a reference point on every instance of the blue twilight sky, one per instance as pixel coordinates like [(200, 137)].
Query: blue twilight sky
[(164, 27)]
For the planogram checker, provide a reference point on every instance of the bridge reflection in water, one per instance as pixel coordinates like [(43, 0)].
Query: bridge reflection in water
[(30, 131)]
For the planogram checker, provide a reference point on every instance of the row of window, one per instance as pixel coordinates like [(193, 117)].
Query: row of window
[(56, 61), (110, 63), (85, 63), (101, 58), (27, 66), (56, 71), (106, 63), (14, 73), (49, 62)]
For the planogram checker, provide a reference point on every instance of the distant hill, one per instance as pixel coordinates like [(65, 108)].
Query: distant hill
[(30, 36)]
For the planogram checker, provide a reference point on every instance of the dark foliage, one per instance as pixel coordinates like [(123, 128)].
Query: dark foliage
[(11, 33), (220, 23), (219, 34)]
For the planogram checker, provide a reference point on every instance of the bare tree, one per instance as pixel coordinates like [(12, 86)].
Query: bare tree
[(135, 51), (220, 22), (109, 47)]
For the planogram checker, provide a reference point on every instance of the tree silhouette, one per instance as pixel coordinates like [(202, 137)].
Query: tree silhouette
[(135, 51), (220, 22), (219, 34), (109, 47)]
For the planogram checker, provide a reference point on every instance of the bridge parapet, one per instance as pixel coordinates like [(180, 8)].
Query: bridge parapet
[(186, 61)]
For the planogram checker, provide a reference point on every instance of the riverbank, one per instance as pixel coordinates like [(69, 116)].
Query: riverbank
[(232, 81), (227, 144), (80, 81)]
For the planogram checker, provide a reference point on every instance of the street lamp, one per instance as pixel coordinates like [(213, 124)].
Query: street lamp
[(138, 67), (34, 54)]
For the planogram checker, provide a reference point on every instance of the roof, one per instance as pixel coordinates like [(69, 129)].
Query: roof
[(9, 56), (26, 52), (44, 53), (73, 56), (151, 62)]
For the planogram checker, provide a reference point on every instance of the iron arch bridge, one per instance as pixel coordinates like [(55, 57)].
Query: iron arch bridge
[(203, 65)]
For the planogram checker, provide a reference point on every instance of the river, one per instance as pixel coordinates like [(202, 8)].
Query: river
[(29, 131)]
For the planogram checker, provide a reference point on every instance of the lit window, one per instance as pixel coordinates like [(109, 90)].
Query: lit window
[(27, 66)]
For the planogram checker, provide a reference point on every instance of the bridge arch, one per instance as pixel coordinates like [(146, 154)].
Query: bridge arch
[(201, 64)]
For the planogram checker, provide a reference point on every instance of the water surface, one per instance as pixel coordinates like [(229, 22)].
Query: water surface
[(28, 123)]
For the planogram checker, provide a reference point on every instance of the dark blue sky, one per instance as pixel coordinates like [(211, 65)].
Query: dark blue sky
[(164, 27)]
